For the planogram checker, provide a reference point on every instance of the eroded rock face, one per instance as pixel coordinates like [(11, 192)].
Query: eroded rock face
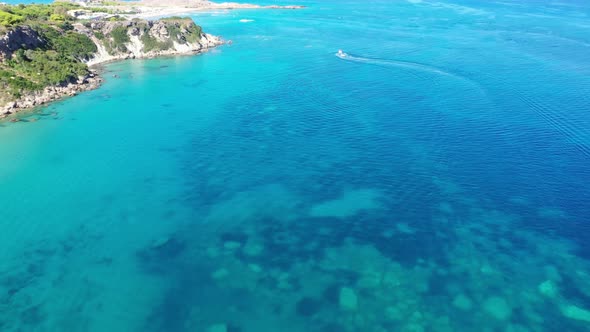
[(160, 31), (165, 37), (22, 37)]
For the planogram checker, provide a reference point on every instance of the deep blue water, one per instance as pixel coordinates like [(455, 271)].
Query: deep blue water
[(434, 179)]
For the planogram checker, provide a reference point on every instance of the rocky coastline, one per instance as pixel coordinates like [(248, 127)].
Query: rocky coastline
[(52, 93), (181, 44)]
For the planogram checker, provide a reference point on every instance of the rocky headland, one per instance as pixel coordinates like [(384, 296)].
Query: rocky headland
[(47, 52), (111, 40), (146, 39)]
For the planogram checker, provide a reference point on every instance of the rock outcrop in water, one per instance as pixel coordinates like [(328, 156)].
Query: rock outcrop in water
[(113, 40)]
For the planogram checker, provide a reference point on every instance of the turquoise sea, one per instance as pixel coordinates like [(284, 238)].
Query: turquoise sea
[(434, 179)]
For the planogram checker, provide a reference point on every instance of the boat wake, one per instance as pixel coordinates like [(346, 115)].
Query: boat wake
[(573, 132), (415, 66)]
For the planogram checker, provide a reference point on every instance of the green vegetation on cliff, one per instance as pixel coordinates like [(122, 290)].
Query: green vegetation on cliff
[(9, 19), (33, 13), (54, 56), (119, 38), (45, 45), (180, 26), (57, 60), (150, 43)]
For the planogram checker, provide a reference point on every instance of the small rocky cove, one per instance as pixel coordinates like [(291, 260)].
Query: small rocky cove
[(118, 40)]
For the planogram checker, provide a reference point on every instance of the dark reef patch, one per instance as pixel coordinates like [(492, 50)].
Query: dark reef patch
[(308, 306)]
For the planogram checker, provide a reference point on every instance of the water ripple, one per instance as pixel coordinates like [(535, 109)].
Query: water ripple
[(413, 66)]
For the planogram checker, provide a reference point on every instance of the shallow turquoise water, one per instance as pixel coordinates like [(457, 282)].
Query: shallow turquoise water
[(432, 180)]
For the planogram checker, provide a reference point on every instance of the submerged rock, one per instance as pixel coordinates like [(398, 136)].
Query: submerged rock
[(462, 302), (217, 328), (349, 204), (575, 312), (497, 307), (394, 313), (212, 252), (348, 299), (370, 279), (414, 327), (253, 249), (166, 246), (255, 268), (548, 288), (159, 242), (231, 245), (220, 274)]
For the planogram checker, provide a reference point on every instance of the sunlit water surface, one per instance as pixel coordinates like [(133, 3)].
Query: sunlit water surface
[(434, 179)]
